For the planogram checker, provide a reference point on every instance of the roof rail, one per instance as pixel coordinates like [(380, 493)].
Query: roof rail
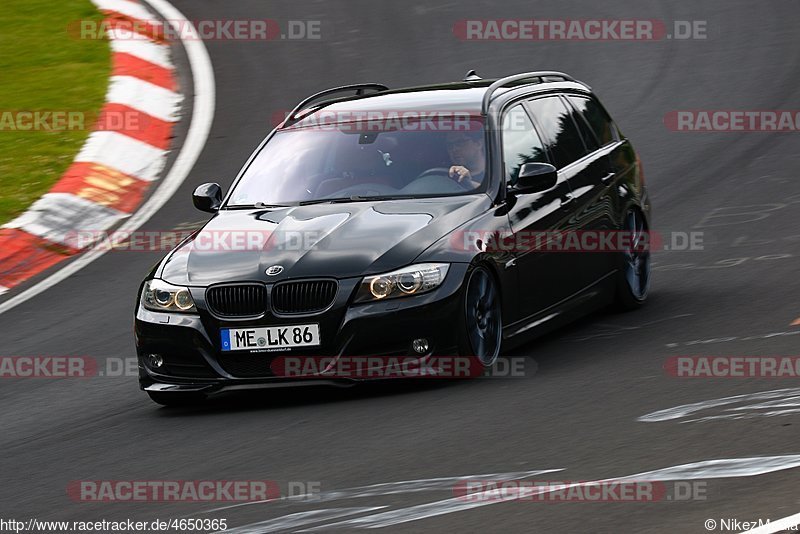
[(359, 88), (539, 76)]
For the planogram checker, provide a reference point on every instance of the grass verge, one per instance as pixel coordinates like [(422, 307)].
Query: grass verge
[(44, 67)]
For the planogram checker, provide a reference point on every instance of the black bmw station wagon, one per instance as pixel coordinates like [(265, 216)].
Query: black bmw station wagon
[(419, 222)]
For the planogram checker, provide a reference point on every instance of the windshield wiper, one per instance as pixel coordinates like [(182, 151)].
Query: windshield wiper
[(257, 205), (354, 198)]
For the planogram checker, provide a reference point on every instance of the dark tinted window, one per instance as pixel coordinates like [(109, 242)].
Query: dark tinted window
[(589, 138), (521, 143), (558, 129), (596, 117)]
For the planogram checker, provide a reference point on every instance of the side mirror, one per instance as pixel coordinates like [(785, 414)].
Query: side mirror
[(535, 177), (207, 197)]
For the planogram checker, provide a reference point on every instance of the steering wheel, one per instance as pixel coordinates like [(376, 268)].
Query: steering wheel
[(435, 171), (367, 189), (439, 172)]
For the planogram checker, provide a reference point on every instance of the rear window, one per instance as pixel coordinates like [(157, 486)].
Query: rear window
[(596, 117)]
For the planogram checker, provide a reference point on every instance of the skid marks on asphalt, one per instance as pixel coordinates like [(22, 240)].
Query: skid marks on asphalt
[(728, 339), (701, 470), (776, 402)]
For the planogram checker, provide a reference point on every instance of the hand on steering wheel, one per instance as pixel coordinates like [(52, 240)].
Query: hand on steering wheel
[(460, 174)]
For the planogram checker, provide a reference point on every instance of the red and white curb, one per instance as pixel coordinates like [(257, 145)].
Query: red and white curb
[(113, 171)]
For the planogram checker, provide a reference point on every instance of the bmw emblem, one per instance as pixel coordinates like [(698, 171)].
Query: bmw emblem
[(274, 270)]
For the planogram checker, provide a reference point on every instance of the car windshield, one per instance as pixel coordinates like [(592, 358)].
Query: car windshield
[(349, 162)]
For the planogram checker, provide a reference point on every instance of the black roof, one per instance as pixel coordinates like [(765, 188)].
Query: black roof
[(464, 97)]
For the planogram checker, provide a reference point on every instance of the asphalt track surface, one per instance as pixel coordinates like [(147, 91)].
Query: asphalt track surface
[(579, 411)]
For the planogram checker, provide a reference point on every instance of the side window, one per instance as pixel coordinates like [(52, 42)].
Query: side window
[(588, 136), (559, 131), (521, 143), (597, 118)]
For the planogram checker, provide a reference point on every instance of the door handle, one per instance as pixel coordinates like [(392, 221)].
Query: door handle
[(567, 200), (608, 177)]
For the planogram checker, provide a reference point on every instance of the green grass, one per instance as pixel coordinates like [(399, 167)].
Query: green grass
[(45, 67)]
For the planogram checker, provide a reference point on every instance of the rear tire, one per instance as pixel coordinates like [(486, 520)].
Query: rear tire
[(633, 274), (176, 399)]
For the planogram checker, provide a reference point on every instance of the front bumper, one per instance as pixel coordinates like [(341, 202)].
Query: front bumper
[(189, 344)]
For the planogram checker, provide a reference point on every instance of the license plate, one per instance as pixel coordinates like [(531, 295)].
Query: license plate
[(270, 337)]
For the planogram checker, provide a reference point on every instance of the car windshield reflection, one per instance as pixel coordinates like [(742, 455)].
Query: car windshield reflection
[(339, 164)]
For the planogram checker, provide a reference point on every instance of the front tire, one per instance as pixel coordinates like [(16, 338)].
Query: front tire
[(481, 331)]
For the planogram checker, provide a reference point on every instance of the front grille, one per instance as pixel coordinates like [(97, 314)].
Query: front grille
[(306, 296), (237, 300)]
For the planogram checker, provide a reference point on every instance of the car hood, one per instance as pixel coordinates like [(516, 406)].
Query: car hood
[(320, 240)]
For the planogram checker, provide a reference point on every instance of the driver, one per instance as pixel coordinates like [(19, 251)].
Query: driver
[(468, 155)]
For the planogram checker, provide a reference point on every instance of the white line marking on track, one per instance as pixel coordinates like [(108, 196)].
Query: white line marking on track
[(397, 488), (202, 118), (721, 468), (777, 526), (708, 469), (789, 396)]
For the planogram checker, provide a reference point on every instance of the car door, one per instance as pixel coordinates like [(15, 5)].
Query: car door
[(597, 128), (542, 278), (583, 168)]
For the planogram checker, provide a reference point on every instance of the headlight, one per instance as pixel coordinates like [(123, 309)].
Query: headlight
[(411, 280), (158, 295)]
